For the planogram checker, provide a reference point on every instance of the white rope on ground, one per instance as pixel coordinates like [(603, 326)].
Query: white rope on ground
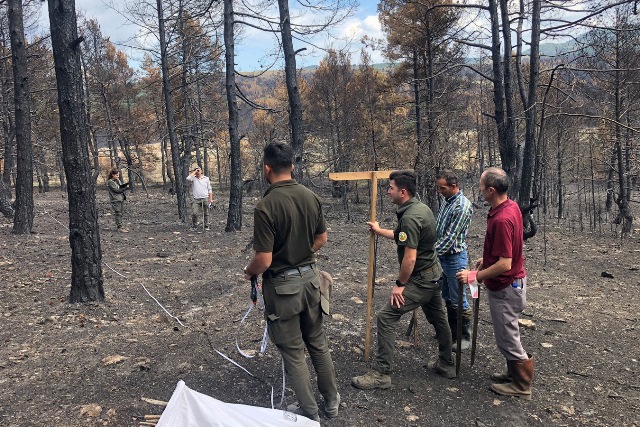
[(125, 277), (263, 345)]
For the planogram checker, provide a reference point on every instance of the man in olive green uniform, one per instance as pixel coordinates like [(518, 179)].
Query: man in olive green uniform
[(117, 197), (289, 228), (417, 284)]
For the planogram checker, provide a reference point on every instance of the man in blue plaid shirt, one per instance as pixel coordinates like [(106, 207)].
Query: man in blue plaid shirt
[(452, 225)]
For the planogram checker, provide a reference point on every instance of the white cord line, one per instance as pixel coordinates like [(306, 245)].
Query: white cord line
[(125, 277), (263, 345)]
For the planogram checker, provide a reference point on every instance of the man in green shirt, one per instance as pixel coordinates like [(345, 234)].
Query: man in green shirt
[(289, 228), (417, 284), (117, 197)]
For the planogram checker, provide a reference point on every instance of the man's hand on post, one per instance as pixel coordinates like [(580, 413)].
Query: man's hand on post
[(463, 276), (374, 226)]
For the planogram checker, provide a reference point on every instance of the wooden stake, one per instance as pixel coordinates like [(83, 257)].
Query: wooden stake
[(154, 401), (373, 177)]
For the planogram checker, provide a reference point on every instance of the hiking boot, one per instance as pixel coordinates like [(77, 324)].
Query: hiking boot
[(331, 407), (520, 385), (206, 227), (294, 409), (443, 368), (371, 380)]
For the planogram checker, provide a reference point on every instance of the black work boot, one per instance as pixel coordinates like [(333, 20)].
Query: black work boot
[(467, 326), (452, 318)]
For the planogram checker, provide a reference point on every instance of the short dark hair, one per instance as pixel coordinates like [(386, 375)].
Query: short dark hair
[(449, 176), (278, 156), (405, 180), (496, 178), (112, 172)]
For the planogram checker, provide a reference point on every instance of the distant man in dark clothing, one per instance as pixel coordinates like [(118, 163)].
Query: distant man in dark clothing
[(289, 227), (417, 283), (117, 197), (452, 224), (502, 271)]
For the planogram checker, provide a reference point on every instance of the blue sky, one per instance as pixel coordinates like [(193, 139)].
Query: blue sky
[(254, 49)]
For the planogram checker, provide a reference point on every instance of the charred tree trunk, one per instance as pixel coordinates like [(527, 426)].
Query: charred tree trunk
[(624, 212), (295, 103), (503, 89), (6, 208), (234, 216), (530, 106), (184, 88), (498, 79), (9, 132), (84, 233), (93, 143), (61, 176), (179, 181), (23, 218)]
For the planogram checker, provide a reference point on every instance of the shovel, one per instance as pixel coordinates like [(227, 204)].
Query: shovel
[(474, 339)]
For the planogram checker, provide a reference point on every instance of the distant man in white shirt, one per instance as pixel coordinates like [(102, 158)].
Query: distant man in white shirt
[(202, 197)]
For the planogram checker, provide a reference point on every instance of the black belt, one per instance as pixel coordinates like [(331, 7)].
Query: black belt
[(294, 271)]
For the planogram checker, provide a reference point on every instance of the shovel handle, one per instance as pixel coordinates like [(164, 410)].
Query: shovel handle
[(459, 328), (474, 339)]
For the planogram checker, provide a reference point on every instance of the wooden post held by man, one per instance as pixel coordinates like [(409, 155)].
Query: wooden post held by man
[(373, 177)]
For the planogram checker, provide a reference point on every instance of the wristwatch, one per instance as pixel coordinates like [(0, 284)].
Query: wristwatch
[(400, 284)]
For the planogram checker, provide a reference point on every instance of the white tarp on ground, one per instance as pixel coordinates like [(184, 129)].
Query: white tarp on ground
[(188, 408)]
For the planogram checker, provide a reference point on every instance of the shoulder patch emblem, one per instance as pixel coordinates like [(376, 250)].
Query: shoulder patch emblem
[(402, 236)]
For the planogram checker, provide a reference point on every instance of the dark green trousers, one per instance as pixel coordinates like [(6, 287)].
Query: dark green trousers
[(417, 293), (118, 209), (292, 308)]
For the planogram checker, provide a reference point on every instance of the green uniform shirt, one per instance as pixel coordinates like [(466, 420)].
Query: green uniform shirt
[(116, 194), (417, 229), (286, 221)]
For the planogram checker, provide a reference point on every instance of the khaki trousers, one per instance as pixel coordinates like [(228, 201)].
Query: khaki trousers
[(505, 306), (200, 208)]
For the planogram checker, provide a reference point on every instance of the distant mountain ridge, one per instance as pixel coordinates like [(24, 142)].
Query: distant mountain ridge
[(546, 49)]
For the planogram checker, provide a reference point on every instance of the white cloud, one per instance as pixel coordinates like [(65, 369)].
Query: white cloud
[(254, 45), (356, 28)]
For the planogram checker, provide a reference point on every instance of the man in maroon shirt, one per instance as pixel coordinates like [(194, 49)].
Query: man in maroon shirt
[(502, 271)]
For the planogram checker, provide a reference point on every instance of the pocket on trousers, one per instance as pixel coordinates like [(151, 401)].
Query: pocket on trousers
[(283, 299), (287, 288)]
